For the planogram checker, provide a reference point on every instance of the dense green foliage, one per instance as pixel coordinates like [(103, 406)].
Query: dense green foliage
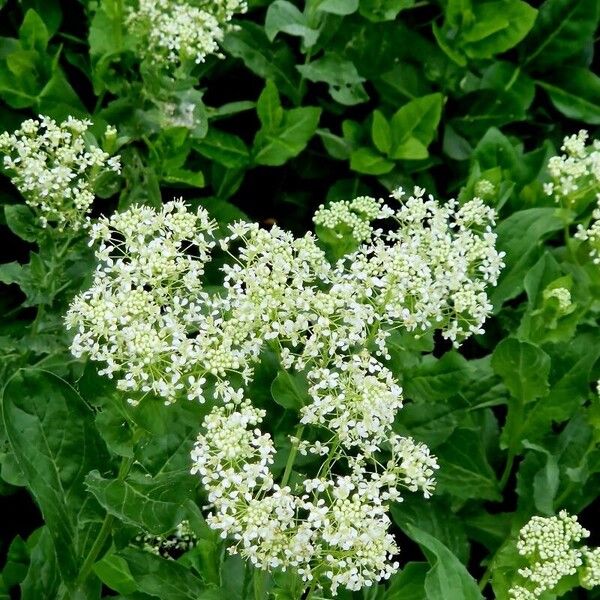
[(312, 102)]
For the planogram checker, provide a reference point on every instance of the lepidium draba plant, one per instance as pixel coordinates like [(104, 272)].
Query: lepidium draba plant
[(160, 331)]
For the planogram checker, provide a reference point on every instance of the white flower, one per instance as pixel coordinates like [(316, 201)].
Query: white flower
[(550, 545), (55, 168), (173, 31)]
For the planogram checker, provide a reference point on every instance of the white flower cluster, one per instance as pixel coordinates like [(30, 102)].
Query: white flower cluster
[(148, 317), (576, 172), (552, 548), (174, 31), (145, 296), (592, 233), (55, 166), (562, 295), (170, 546), (353, 218), (336, 527)]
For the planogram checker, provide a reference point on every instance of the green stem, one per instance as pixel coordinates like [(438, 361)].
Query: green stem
[(485, 577), (510, 461), (103, 534), (292, 456)]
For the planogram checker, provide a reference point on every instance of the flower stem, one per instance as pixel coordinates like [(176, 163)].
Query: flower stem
[(103, 534), (292, 456)]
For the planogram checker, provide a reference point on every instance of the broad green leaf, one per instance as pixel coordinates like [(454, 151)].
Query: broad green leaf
[(290, 390), (436, 379), (381, 134), (464, 469), (345, 84), (51, 432), (575, 92), (414, 127), (22, 221), (524, 368), (268, 107), (43, 578), (409, 583), (484, 29), (276, 147), (447, 578), (366, 160), (225, 148), (165, 578), (33, 33), (114, 572), (520, 236), (17, 562), (562, 30), (436, 518), (383, 10), (339, 7), (155, 504), (269, 61), (284, 16)]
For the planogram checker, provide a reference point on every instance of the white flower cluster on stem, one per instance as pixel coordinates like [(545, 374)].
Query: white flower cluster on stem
[(54, 166), (148, 317), (576, 172), (173, 32), (553, 550)]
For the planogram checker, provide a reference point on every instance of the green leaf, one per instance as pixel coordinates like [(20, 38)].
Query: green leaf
[(464, 469), (22, 221), (520, 236), (276, 147), (51, 432), (225, 148), (563, 29), (114, 572), (284, 16), (437, 379), (43, 578), (409, 583), (575, 92), (484, 29), (33, 33), (290, 390), (165, 578), (268, 107), (269, 61), (155, 504), (381, 133), (383, 10), (345, 84), (414, 127), (524, 368), (366, 160), (447, 578), (339, 7)]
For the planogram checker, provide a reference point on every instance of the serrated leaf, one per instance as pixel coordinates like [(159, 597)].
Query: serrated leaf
[(165, 578), (52, 435), (155, 504), (225, 148)]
